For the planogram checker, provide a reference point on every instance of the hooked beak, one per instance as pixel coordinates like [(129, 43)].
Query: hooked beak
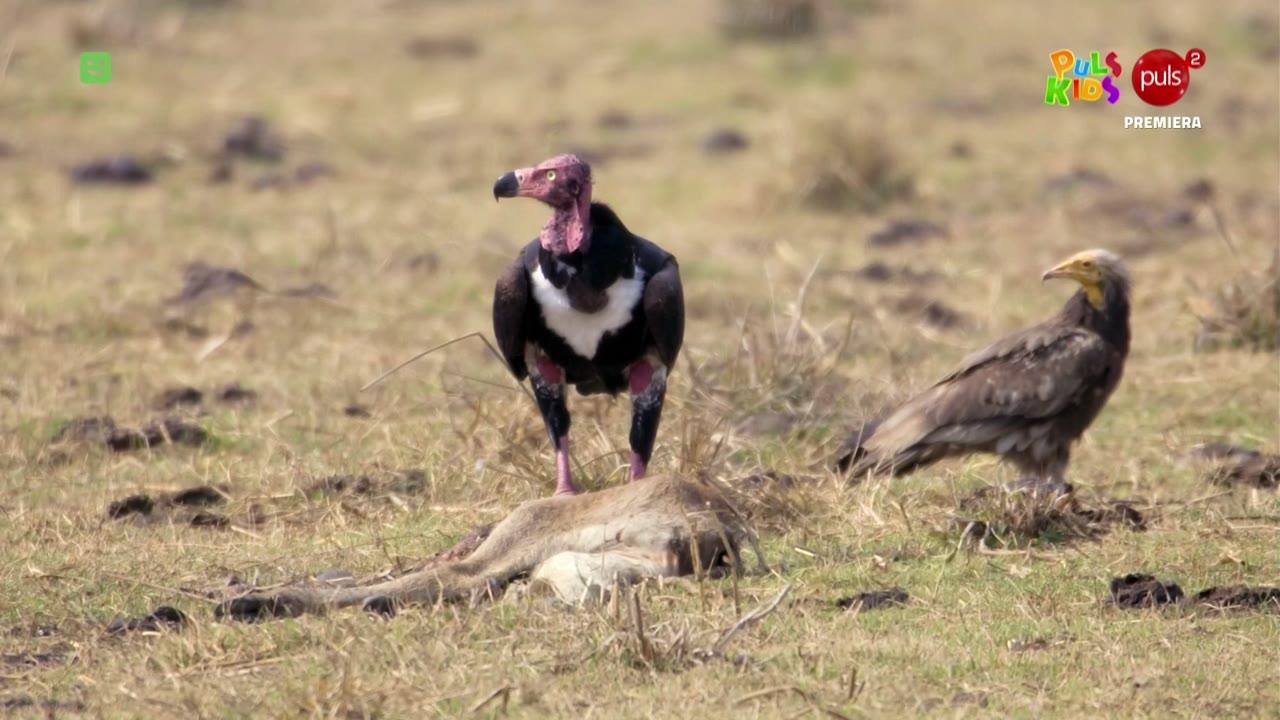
[(1065, 270), (507, 186)]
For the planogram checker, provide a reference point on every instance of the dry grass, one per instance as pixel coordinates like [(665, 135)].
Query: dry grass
[(788, 343), (1245, 312), (769, 19), (834, 166), (1026, 516)]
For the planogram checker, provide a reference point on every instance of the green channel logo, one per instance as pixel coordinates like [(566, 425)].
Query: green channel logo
[(95, 68)]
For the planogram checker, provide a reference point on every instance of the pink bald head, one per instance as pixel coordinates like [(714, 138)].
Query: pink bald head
[(564, 183)]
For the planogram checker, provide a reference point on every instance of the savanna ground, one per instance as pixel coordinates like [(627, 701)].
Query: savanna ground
[(887, 111)]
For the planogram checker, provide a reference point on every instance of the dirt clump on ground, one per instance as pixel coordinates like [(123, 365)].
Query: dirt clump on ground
[(171, 429), (253, 137), (32, 659), (103, 430), (1235, 465), (930, 311), (1235, 597), (179, 396), (114, 170), (724, 141), (906, 232), (1140, 590), (874, 599), (399, 482), (233, 393), (186, 506), (431, 47), (162, 618), (201, 280)]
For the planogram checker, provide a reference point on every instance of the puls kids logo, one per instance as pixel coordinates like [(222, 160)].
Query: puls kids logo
[(1083, 78), (1160, 77)]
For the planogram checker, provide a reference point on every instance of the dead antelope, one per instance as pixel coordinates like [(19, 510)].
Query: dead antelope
[(577, 545)]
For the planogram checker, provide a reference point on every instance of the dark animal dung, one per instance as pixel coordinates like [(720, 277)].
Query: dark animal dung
[(1229, 597), (333, 484), (162, 618), (1080, 177), (356, 410), (310, 290), (1239, 466), (176, 397), (874, 599), (255, 608), (313, 170), (201, 280), (908, 231), (198, 496), (147, 507), (132, 505), (431, 47), (95, 429), (724, 141), (253, 137), (31, 659), (930, 311), (115, 170), (233, 393), (171, 429), (1138, 590)]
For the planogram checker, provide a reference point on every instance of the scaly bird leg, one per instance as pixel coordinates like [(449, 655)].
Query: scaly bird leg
[(648, 381), (547, 379)]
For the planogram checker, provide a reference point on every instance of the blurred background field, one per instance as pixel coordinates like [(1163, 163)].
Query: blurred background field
[(290, 197)]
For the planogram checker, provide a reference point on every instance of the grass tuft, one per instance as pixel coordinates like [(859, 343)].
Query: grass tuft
[(769, 19), (1023, 517), (834, 166), (1244, 312)]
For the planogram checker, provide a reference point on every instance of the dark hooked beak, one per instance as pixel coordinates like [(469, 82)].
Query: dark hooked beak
[(507, 186)]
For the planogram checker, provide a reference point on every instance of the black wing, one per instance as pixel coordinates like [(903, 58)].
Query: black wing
[(664, 312), (510, 302)]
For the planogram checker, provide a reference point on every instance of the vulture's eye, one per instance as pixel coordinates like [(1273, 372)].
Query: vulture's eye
[(1086, 264), (551, 174)]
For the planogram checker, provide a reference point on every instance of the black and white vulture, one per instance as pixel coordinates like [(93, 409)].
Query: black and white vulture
[(587, 304), (1026, 397)]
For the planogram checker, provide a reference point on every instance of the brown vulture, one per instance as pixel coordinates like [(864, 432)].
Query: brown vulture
[(587, 304), (1026, 397)]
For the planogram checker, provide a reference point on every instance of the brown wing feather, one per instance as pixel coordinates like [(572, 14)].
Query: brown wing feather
[(664, 312), (510, 302), (1028, 376)]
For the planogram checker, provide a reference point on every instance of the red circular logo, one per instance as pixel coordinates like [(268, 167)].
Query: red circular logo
[(1161, 77)]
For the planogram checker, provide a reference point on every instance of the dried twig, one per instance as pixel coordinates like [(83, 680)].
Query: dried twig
[(746, 621), (637, 625), (503, 692), (441, 346)]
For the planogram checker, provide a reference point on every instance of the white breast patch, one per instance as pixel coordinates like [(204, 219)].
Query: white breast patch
[(583, 331)]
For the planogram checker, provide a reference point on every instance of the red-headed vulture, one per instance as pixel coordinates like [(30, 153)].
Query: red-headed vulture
[(587, 304), (1026, 397)]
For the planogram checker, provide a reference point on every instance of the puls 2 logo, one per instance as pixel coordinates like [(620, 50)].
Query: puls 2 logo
[(1087, 80)]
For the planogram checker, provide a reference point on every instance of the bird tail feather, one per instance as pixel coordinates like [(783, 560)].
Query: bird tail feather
[(858, 456)]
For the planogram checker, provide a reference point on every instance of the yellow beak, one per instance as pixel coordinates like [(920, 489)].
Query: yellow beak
[(1064, 270)]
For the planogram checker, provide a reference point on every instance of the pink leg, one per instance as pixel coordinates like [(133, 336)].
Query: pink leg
[(548, 388), (638, 466), (564, 478)]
